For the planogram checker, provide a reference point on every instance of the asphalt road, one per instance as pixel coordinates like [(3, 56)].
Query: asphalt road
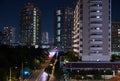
[(39, 75)]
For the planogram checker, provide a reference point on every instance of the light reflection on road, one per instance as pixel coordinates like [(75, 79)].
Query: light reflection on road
[(42, 77)]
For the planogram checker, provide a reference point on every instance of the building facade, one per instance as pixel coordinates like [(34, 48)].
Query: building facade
[(9, 35), (30, 25), (63, 28), (116, 37), (92, 30), (45, 40)]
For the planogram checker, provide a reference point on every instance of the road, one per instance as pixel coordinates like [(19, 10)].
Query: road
[(37, 75)]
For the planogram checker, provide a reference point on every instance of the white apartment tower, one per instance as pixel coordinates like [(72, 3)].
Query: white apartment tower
[(92, 30)]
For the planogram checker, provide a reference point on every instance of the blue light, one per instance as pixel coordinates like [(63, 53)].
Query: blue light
[(26, 72)]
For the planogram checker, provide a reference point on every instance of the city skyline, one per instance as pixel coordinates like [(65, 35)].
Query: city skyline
[(10, 12)]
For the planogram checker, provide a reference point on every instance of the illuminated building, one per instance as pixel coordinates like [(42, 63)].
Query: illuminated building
[(30, 25), (9, 35), (92, 30), (63, 28), (116, 37), (45, 40)]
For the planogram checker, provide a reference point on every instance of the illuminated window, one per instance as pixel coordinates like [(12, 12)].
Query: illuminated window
[(58, 39), (58, 32), (97, 16), (98, 10), (98, 28), (118, 31), (58, 25), (93, 40), (58, 18), (58, 12), (98, 5)]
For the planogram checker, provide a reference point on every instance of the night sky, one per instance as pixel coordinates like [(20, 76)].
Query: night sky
[(9, 12)]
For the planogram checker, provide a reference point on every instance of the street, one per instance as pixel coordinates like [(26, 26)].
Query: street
[(39, 75)]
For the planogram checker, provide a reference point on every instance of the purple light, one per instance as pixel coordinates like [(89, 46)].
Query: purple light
[(44, 76), (52, 52)]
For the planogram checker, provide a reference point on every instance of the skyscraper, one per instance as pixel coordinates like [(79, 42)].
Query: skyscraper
[(9, 35), (92, 30), (30, 25), (63, 28)]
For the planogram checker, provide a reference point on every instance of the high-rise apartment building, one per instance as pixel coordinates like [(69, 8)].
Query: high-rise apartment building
[(92, 30), (63, 28), (116, 37), (30, 25), (45, 40), (9, 35)]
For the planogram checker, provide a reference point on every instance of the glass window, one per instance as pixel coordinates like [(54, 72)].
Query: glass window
[(97, 16), (98, 10), (58, 18), (58, 39), (58, 12), (58, 32), (59, 25), (98, 28)]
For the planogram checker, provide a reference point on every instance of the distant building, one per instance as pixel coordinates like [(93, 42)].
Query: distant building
[(92, 30), (9, 35), (30, 25), (116, 37), (51, 41), (45, 40), (63, 19)]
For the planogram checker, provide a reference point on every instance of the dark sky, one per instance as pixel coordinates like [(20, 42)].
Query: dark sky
[(9, 12)]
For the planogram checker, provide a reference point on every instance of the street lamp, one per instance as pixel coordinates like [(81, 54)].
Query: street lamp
[(82, 78), (78, 72)]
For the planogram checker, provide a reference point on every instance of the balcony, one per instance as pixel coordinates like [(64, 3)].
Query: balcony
[(96, 48), (95, 25), (96, 42), (95, 8), (95, 13), (96, 36), (95, 19), (96, 53), (93, 31)]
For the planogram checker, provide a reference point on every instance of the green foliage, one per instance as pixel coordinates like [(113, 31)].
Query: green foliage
[(3, 74), (70, 56), (15, 56), (115, 57), (58, 73)]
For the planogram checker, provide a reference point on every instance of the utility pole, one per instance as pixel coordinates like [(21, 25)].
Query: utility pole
[(10, 75), (22, 71)]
